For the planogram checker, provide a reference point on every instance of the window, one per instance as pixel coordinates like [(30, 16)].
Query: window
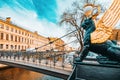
[(15, 38), (16, 30), (11, 29), (25, 40), (22, 39), (2, 35), (7, 37), (1, 46), (2, 26), (28, 41), (15, 46), (22, 33), (12, 46), (22, 47), (19, 47), (6, 46), (19, 32), (11, 37), (19, 39), (7, 28), (25, 34)]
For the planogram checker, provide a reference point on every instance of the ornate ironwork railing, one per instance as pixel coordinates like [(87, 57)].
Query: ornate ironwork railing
[(49, 58)]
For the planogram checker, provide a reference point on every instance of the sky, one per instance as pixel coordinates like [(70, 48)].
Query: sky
[(42, 16)]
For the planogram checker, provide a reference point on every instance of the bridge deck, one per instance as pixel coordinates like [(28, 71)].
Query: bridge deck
[(42, 68)]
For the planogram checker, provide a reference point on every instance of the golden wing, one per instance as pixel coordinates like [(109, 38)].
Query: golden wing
[(106, 24)]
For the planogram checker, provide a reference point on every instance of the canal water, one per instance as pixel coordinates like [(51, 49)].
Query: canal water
[(22, 74)]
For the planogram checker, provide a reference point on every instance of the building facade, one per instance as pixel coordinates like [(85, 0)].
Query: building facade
[(58, 44), (13, 37)]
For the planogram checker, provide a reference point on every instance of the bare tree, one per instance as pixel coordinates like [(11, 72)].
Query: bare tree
[(72, 20), (74, 17)]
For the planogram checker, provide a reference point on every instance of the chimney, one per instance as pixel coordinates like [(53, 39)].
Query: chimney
[(8, 19)]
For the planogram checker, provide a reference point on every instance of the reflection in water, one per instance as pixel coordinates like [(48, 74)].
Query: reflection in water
[(22, 74)]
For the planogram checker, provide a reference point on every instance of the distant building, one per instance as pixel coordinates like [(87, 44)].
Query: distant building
[(57, 45), (13, 37), (68, 48)]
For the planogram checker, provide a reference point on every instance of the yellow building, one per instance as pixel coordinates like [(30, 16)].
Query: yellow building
[(58, 44), (13, 37)]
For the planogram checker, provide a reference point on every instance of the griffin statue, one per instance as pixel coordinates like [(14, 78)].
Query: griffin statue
[(97, 33)]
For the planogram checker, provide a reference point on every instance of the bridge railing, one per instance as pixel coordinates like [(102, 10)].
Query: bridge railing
[(51, 59)]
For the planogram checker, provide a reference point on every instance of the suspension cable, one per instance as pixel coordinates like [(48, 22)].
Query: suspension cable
[(65, 44), (57, 39)]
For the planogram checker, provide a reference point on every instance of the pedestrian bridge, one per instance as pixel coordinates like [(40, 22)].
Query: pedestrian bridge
[(53, 63), (42, 62)]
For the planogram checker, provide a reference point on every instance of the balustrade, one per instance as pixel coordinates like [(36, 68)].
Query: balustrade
[(51, 59)]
